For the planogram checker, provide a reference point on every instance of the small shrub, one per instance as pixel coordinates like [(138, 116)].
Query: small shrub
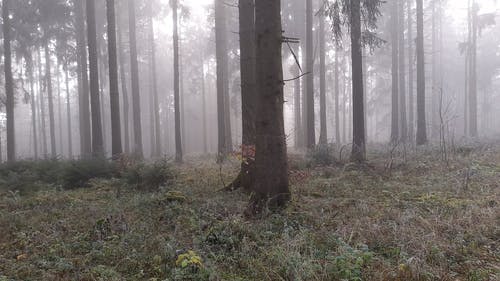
[(77, 174), (322, 155), (149, 177)]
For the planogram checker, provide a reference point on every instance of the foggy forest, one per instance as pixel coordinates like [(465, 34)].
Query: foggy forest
[(279, 140)]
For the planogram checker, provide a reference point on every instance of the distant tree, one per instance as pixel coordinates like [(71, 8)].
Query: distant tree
[(402, 73), (123, 78), (310, 122), (222, 79), (351, 14), (83, 81), (271, 173), (136, 97), (9, 82), (411, 64), (178, 134), (421, 123), (323, 136), (155, 110), (114, 94), (395, 73)]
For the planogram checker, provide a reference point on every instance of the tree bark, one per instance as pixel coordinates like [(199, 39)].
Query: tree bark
[(271, 173), (114, 94), (136, 98), (9, 83), (421, 123), (97, 139)]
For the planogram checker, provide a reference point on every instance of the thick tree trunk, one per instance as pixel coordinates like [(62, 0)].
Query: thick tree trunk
[(9, 83), (323, 137), (50, 98), (97, 139), (358, 145), (114, 94), (395, 135), (83, 87), (246, 177), (136, 97), (271, 174), (421, 123), (310, 122), (178, 140)]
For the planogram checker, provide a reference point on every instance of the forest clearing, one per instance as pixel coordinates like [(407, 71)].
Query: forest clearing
[(419, 220)]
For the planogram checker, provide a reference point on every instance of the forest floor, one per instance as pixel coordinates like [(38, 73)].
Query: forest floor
[(417, 218)]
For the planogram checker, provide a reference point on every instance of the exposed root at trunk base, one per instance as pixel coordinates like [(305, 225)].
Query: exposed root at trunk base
[(262, 204), (245, 178)]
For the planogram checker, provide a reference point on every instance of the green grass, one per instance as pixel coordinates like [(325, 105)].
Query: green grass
[(412, 220)]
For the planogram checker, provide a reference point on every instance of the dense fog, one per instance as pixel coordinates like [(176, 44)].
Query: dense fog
[(453, 32)]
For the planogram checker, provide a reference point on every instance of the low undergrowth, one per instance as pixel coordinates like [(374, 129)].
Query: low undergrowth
[(397, 218)]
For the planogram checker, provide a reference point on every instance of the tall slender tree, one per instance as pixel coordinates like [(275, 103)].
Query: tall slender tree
[(114, 94), (95, 107), (177, 113), (68, 111), (310, 122), (358, 143), (50, 98), (156, 142), (421, 123), (9, 82), (402, 73), (323, 137), (411, 103), (395, 134), (222, 76), (123, 78), (83, 81), (134, 66)]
